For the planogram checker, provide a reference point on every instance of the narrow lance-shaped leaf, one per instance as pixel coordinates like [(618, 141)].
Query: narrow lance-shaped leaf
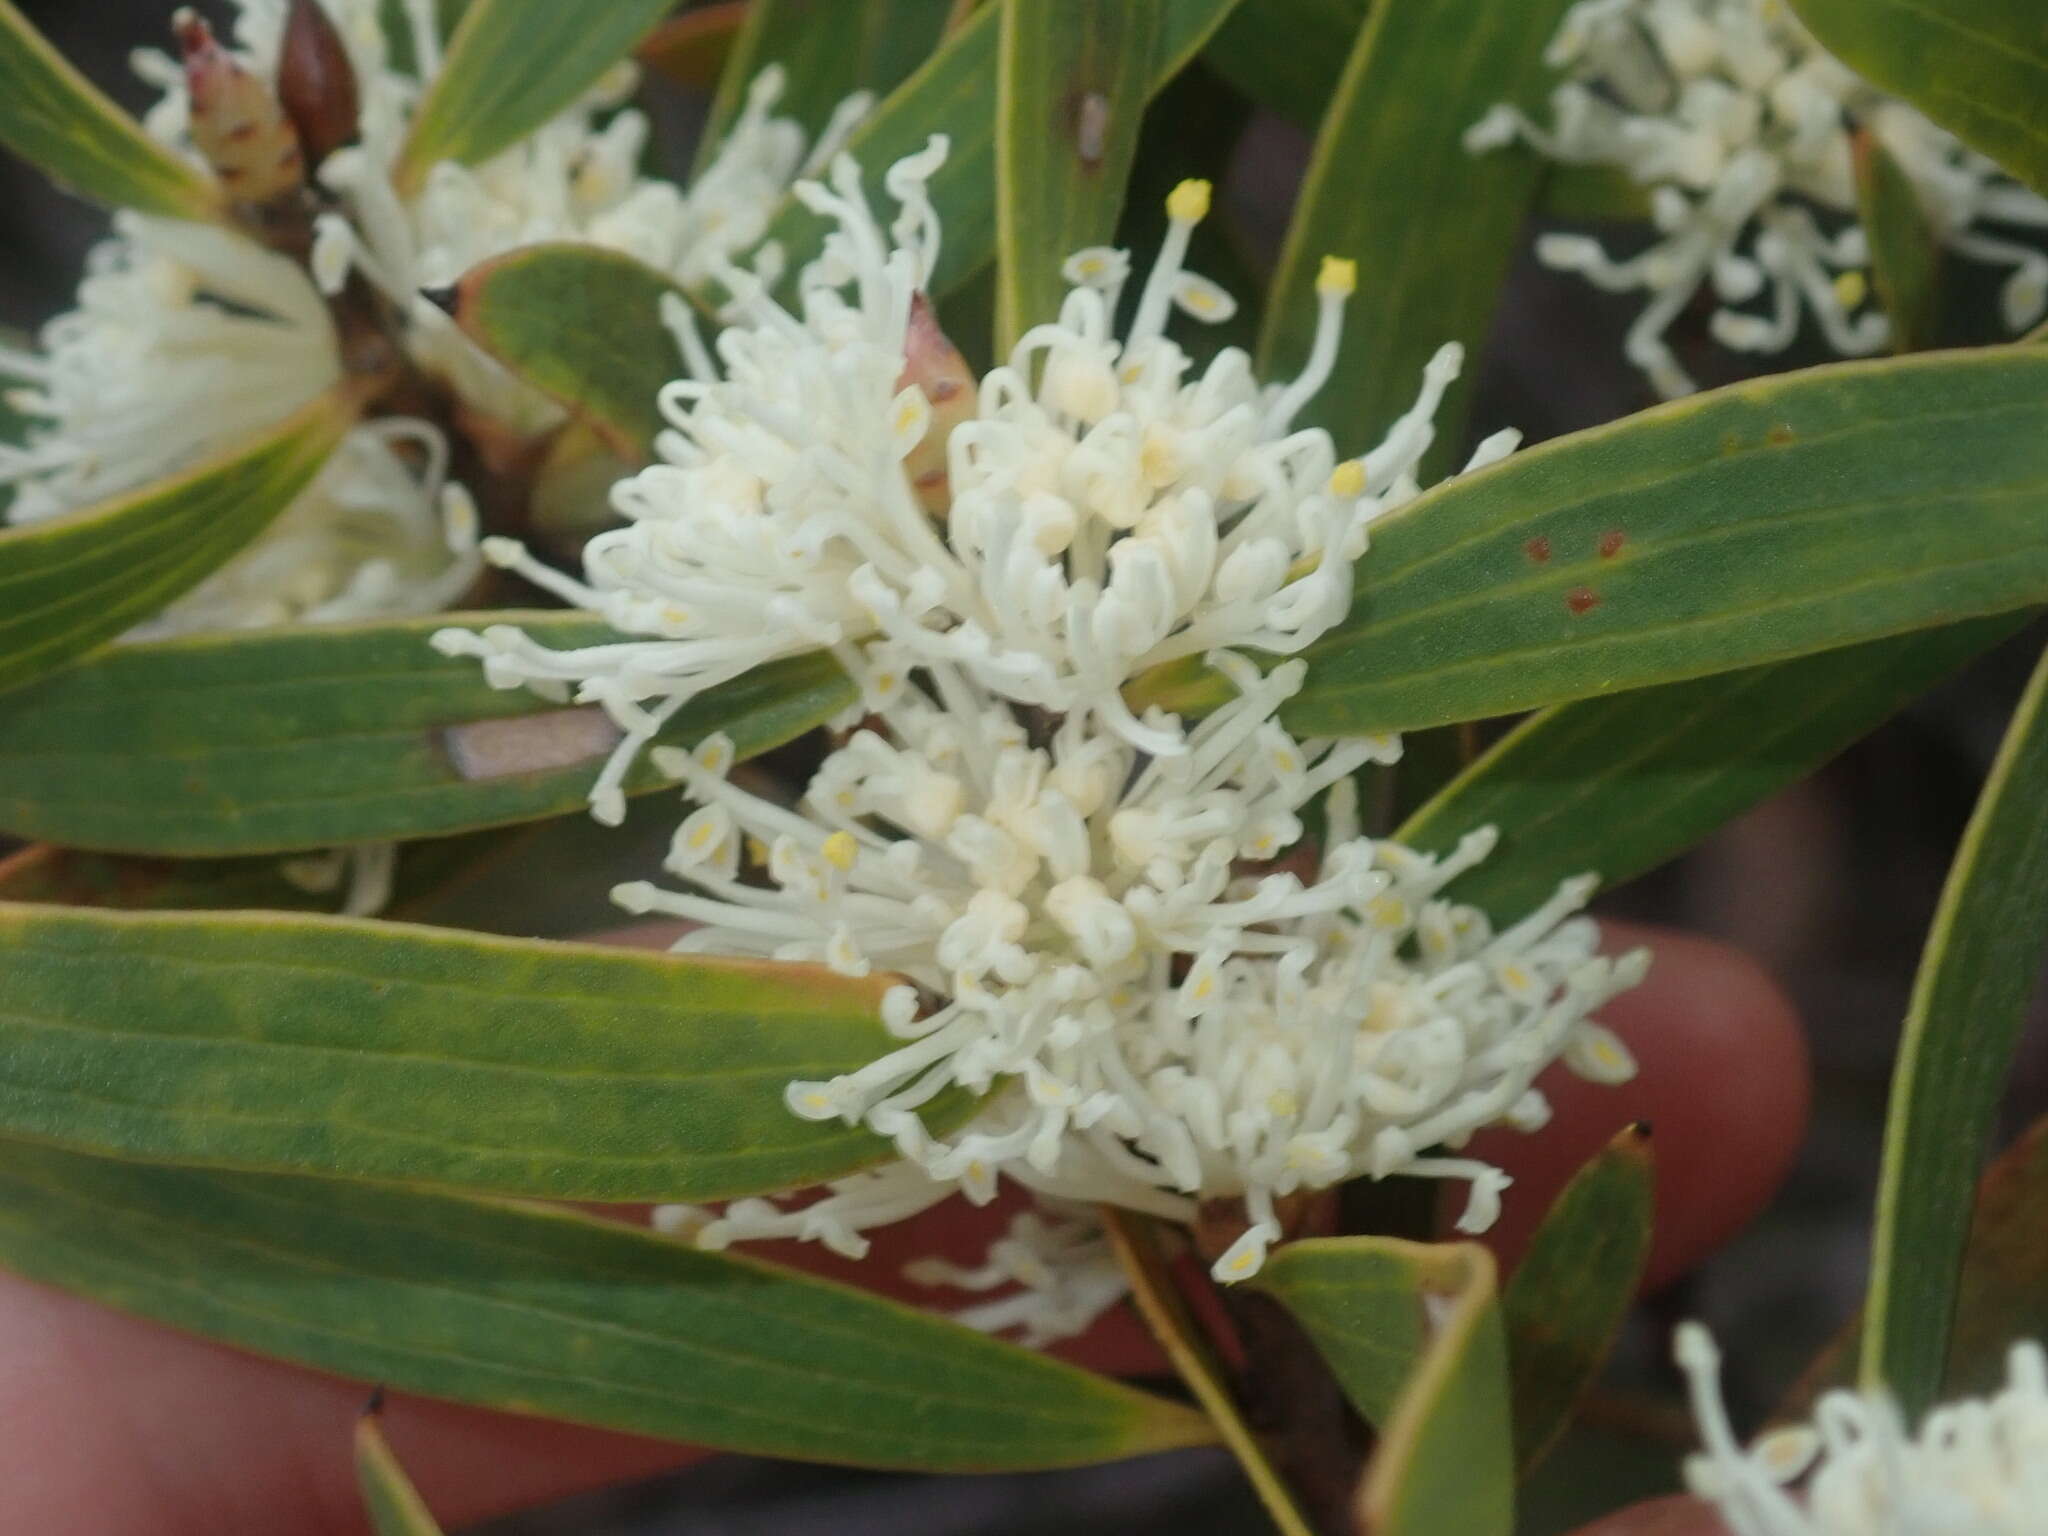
[(1565, 1302), (72, 583), (1977, 67), (2001, 1294), (583, 325), (394, 1506), (1287, 55), (827, 50), (352, 1049), (542, 1312), (1413, 1333), (951, 94), (1753, 524), (1072, 77), (1905, 256), (1969, 1004), (281, 740), (1393, 188), (1618, 785), (55, 118), (511, 66)]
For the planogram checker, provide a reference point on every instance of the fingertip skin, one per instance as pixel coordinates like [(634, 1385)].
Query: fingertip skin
[(1724, 1077)]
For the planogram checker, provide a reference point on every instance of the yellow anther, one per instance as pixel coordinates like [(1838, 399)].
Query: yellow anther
[(1090, 266), (1188, 203), (816, 1100), (1337, 275), (675, 616), (701, 835), (1387, 911), (840, 849), (1348, 479), (1851, 289), (1516, 978), (757, 850), (1205, 986), (1608, 1055)]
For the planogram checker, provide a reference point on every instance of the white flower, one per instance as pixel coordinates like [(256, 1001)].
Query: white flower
[(1110, 516), (1976, 1468), (188, 339), (1742, 125), (1083, 904)]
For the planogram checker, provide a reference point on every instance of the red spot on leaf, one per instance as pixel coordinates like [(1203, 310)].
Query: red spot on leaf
[(1538, 549), (1611, 542), (1581, 600)]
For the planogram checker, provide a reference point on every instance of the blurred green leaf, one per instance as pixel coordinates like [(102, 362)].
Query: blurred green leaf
[(1749, 525), (583, 325), (377, 1050), (1565, 1302), (512, 65), (538, 1311), (1287, 55), (692, 47), (1072, 77), (1969, 1005), (1618, 785), (281, 740), (827, 50), (72, 583), (394, 1506), (953, 93), (59, 121), (1977, 67), (1392, 187), (1413, 1333), (1592, 193), (1905, 255)]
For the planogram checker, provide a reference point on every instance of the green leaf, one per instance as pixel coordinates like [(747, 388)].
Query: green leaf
[(2003, 1295), (952, 94), (583, 325), (1969, 1005), (376, 1050), (1148, 1271), (1413, 1333), (1072, 77), (72, 583), (1567, 1298), (1618, 785), (1756, 523), (1905, 255), (1593, 193), (1977, 67), (542, 1312), (1392, 187), (827, 50), (288, 739), (59, 121), (1287, 55), (394, 1506), (512, 65)]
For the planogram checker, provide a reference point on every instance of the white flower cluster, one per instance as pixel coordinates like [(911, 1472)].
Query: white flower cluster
[(187, 339), (1976, 1468), (1742, 125), (1083, 903)]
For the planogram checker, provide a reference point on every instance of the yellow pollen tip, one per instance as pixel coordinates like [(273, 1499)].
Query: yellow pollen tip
[(1851, 289), (1348, 479), (1188, 203), (1338, 275), (840, 849)]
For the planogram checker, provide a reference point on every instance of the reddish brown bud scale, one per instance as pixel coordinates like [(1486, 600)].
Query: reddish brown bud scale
[(935, 366), (316, 81), (1581, 601), (237, 123)]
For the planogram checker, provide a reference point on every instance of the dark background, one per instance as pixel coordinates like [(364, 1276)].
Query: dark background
[(1831, 885)]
